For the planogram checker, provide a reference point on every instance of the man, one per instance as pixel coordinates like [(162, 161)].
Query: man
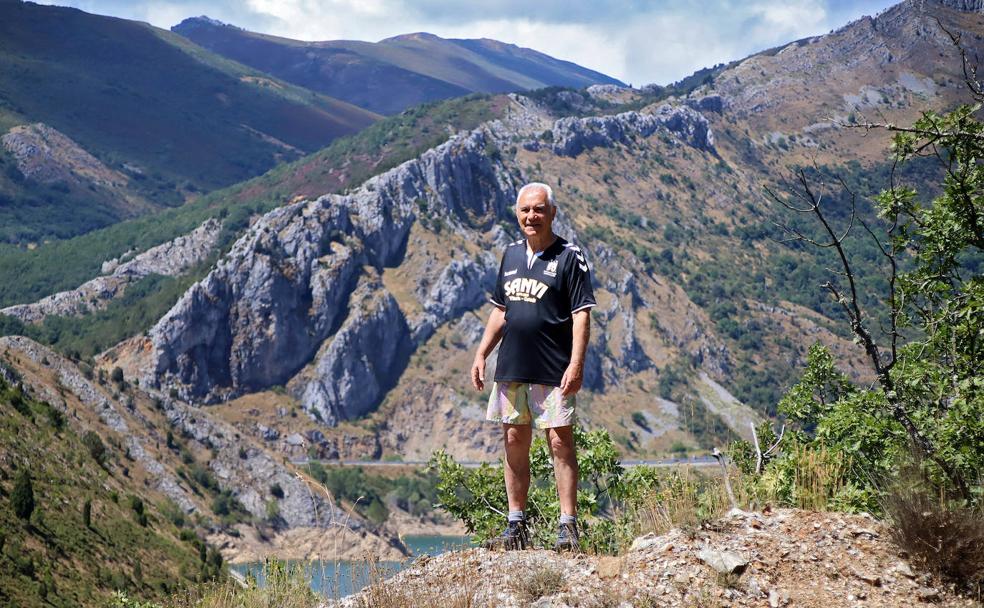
[(542, 304)]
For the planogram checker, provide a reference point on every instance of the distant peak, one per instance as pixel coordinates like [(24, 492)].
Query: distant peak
[(202, 21), (415, 36)]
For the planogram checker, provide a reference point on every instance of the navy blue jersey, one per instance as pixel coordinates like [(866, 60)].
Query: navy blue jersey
[(539, 300)]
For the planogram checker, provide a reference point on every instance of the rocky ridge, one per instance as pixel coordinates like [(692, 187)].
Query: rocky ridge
[(169, 259), (311, 287), (295, 302), (775, 558)]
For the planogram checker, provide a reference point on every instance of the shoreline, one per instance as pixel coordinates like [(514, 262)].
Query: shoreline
[(247, 545)]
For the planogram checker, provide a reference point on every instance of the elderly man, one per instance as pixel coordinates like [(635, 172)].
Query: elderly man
[(542, 304)]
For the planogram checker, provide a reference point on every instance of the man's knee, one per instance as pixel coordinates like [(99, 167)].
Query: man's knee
[(517, 437), (561, 443)]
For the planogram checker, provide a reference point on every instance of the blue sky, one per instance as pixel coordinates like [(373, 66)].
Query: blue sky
[(637, 41)]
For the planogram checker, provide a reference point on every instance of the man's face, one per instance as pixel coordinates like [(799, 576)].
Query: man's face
[(534, 213)]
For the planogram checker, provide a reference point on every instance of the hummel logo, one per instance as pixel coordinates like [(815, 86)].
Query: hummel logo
[(509, 273)]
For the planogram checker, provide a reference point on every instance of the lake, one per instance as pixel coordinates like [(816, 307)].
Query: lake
[(335, 579)]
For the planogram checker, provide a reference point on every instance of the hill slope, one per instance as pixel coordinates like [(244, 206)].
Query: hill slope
[(395, 73), (170, 118), (54, 559)]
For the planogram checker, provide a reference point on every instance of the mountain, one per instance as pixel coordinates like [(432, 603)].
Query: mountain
[(393, 74), (105, 119), (666, 200), (337, 311)]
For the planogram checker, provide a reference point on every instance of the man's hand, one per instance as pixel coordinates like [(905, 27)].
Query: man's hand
[(571, 382), (478, 373), (493, 332)]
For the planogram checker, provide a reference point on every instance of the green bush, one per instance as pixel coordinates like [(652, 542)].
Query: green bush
[(95, 446), (22, 496), (478, 496)]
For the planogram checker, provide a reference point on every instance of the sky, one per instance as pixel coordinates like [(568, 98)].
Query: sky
[(637, 41)]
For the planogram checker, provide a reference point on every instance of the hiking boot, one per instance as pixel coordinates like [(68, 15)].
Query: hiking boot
[(514, 537), (567, 538)]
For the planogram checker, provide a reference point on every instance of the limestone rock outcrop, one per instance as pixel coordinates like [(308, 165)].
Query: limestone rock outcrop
[(363, 360), (169, 259), (572, 135), (282, 294)]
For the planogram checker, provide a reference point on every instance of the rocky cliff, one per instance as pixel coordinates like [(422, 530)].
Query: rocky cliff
[(366, 306)]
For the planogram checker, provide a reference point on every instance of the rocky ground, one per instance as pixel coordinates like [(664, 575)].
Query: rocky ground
[(776, 558)]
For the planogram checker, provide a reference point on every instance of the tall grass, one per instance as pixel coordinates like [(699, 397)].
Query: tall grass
[(683, 499)]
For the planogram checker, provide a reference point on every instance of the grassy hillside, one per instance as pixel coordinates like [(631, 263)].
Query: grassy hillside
[(174, 118), (133, 542), (340, 72), (393, 74)]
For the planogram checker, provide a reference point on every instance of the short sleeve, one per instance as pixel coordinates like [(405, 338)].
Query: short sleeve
[(499, 291), (579, 289)]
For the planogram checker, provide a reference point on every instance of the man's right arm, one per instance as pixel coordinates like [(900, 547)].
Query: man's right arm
[(491, 337)]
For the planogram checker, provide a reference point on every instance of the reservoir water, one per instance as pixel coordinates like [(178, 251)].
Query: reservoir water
[(335, 579)]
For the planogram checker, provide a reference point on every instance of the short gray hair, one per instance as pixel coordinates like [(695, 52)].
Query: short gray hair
[(537, 186)]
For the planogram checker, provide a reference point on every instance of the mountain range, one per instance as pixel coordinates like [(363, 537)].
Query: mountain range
[(331, 307), (118, 119), (393, 74)]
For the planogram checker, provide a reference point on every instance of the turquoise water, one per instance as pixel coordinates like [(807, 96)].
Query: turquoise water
[(340, 578)]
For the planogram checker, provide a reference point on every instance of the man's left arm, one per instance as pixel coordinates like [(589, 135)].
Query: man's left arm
[(574, 375)]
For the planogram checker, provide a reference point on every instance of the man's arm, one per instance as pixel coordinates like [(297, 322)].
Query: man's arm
[(491, 337), (574, 376)]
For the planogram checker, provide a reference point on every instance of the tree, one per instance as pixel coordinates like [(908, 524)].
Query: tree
[(929, 358), (87, 513), (95, 446), (22, 497)]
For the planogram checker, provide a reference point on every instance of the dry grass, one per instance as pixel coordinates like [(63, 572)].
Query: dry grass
[(942, 537), (284, 587), (461, 593), (533, 585), (818, 475), (687, 501)]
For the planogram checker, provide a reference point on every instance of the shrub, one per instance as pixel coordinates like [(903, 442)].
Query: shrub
[(22, 496), (95, 446), (943, 537), (478, 496)]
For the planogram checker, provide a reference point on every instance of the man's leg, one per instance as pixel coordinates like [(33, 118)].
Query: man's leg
[(517, 439), (561, 442)]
